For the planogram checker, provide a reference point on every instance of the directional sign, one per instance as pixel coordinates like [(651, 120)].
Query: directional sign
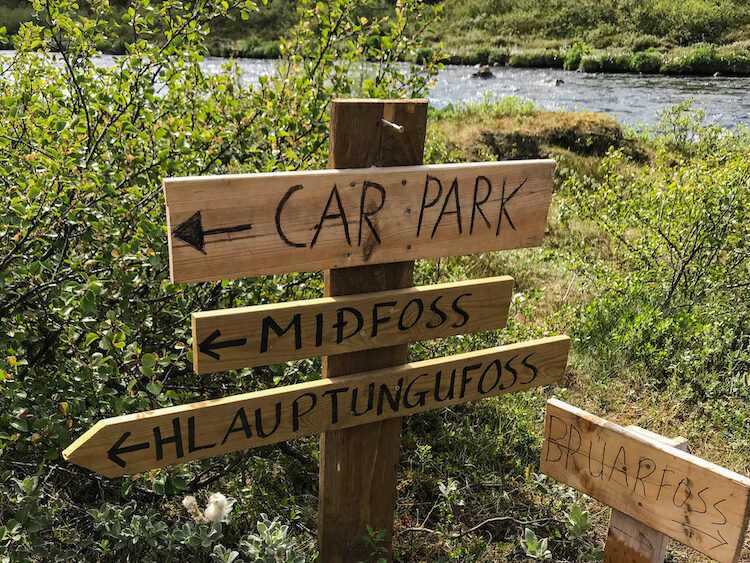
[(267, 334), (138, 442), (241, 225), (193, 233), (680, 495)]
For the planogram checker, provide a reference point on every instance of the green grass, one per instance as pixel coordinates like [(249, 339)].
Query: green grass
[(673, 369), (658, 36)]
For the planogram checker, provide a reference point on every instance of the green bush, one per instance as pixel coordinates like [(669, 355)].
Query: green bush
[(574, 55), (646, 62), (676, 308), (536, 58), (689, 21), (498, 56), (488, 107), (736, 63), (636, 42), (11, 17), (91, 325), (606, 63), (483, 55), (702, 60), (424, 54)]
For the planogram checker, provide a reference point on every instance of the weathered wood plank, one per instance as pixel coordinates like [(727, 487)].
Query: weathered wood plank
[(631, 541), (241, 225), (362, 462), (138, 442), (687, 498), (267, 334), (142, 441)]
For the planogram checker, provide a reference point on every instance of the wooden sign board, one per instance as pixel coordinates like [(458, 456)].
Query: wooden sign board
[(242, 225), (139, 442), (629, 540), (267, 334), (695, 502)]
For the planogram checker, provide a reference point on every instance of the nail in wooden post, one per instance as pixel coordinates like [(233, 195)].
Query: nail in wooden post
[(631, 541), (358, 465)]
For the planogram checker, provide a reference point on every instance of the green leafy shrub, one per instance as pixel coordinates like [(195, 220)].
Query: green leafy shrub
[(675, 308), (534, 547), (536, 58), (736, 63), (574, 55), (498, 56), (424, 54), (687, 22), (11, 18), (606, 62), (703, 60), (91, 325), (272, 544), (646, 62), (578, 522), (637, 42)]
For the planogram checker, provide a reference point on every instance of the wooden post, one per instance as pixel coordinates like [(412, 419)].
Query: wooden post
[(358, 465), (631, 541)]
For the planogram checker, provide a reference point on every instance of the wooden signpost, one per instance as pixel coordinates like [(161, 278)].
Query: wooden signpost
[(138, 442), (366, 220), (269, 334), (242, 225), (628, 539), (695, 502)]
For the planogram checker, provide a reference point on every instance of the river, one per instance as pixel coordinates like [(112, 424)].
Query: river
[(630, 98)]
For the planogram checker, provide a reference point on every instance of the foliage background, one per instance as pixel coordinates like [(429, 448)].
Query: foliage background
[(645, 264)]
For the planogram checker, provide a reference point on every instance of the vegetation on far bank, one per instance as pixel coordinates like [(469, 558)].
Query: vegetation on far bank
[(675, 37), (645, 264)]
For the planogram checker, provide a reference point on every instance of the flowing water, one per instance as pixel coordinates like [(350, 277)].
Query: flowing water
[(630, 98)]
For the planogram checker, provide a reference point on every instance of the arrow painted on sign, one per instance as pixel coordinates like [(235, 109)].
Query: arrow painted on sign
[(191, 231), (209, 345), (720, 541), (114, 452)]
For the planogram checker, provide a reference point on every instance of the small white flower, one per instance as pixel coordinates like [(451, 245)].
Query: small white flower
[(191, 506), (218, 508), (189, 503)]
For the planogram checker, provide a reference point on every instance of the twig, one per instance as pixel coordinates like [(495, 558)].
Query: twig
[(475, 528)]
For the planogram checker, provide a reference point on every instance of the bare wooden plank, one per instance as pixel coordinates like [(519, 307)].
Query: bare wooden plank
[(361, 462), (267, 334), (241, 225), (631, 541), (142, 441), (687, 498)]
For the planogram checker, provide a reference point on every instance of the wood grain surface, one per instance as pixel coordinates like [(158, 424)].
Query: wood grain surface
[(138, 442), (361, 463), (266, 334), (680, 495), (242, 225), (631, 541)]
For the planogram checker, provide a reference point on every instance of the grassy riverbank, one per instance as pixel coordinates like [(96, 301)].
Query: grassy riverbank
[(670, 37), (678, 37), (619, 239)]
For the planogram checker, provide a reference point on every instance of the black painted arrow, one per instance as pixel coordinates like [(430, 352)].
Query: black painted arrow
[(720, 541), (114, 452), (191, 231), (208, 346)]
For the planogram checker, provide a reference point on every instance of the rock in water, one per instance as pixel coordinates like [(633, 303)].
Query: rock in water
[(484, 72)]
